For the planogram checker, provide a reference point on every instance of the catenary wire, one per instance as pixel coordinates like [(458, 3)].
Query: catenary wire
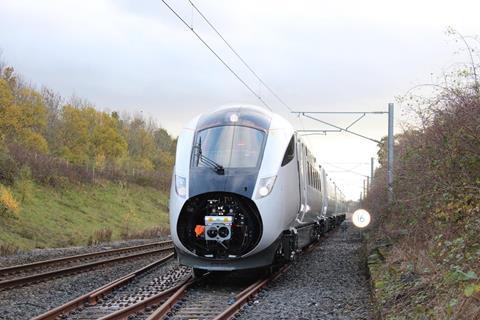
[(240, 58), (217, 56)]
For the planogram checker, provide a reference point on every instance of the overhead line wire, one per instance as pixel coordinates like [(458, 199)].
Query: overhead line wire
[(218, 57), (247, 65), (241, 59)]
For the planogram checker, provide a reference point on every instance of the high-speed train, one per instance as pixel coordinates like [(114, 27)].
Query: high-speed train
[(247, 192)]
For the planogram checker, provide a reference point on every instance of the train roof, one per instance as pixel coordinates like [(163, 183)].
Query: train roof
[(241, 114)]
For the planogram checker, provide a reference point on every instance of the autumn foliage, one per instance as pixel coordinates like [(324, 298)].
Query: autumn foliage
[(429, 236), (8, 204), (60, 140)]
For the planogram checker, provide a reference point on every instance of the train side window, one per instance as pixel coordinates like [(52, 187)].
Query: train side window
[(289, 153), (313, 178), (309, 174)]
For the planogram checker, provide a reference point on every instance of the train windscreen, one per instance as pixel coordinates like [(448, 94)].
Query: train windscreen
[(228, 146)]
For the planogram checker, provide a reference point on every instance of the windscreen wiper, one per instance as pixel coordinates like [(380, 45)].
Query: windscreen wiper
[(207, 161)]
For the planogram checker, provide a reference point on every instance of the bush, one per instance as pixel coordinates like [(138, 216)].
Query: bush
[(8, 167), (24, 183), (436, 207), (56, 172), (8, 204)]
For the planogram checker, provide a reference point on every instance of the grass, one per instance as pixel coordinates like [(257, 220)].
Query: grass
[(72, 215)]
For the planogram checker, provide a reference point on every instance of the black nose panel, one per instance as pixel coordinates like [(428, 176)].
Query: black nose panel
[(239, 181)]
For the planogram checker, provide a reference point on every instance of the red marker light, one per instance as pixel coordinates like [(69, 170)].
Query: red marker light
[(199, 230)]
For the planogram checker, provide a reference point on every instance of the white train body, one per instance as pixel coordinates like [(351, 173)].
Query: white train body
[(247, 191)]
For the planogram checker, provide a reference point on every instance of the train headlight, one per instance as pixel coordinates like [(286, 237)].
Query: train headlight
[(181, 186), (265, 186)]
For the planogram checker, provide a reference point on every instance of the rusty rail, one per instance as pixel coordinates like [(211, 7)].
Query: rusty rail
[(248, 293), (142, 305), (77, 268), (45, 263), (93, 296)]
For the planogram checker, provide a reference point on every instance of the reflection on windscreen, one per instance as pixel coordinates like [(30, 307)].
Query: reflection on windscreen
[(231, 146)]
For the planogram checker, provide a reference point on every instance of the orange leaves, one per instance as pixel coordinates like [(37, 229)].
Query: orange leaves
[(8, 204)]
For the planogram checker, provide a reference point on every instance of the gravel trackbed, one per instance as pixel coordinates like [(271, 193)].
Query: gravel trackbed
[(330, 282)]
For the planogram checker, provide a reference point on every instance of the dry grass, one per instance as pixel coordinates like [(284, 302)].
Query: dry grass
[(431, 270), (8, 249), (100, 236), (148, 233)]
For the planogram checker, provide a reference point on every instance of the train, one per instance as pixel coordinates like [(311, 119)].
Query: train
[(247, 192)]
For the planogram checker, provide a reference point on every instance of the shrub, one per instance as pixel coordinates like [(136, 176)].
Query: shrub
[(8, 204), (436, 206), (24, 183), (8, 167)]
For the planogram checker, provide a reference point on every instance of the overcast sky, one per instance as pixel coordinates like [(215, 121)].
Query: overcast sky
[(136, 56)]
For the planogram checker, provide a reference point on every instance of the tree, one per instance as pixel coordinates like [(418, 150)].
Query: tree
[(107, 140), (22, 115)]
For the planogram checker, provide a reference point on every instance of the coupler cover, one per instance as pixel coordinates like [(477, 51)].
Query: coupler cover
[(218, 228)]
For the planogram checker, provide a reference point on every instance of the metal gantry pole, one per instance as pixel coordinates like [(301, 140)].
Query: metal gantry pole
[(364, 189), (371, 170), (390, 141), (390, 152)]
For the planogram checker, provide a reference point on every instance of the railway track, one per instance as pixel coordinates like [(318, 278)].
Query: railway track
[(218, 299), (174, 294), (139, 291), (25, 274)]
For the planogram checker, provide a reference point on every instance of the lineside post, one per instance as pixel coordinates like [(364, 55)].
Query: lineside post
[(364, 189), (390, 153), (371, 170)]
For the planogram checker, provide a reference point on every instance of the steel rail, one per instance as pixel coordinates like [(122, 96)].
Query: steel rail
[(69, 270), (45, 263), (93, 296), (167, 305), (247, 293), (142, 305), (240, 299)]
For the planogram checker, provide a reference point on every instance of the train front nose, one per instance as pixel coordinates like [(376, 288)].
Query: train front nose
[(220, 220), (219, 225)]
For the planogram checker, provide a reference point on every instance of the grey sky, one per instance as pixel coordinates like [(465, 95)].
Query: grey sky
[(137, 56)]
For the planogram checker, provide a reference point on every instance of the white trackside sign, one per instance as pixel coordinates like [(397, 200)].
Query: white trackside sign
[(361, 218)]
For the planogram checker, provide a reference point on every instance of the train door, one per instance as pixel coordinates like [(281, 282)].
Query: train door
[(302, 172), (324, 188), (336, 199)]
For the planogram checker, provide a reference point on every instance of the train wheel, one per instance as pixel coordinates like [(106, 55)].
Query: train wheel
[(198, 273), (273, 269)]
